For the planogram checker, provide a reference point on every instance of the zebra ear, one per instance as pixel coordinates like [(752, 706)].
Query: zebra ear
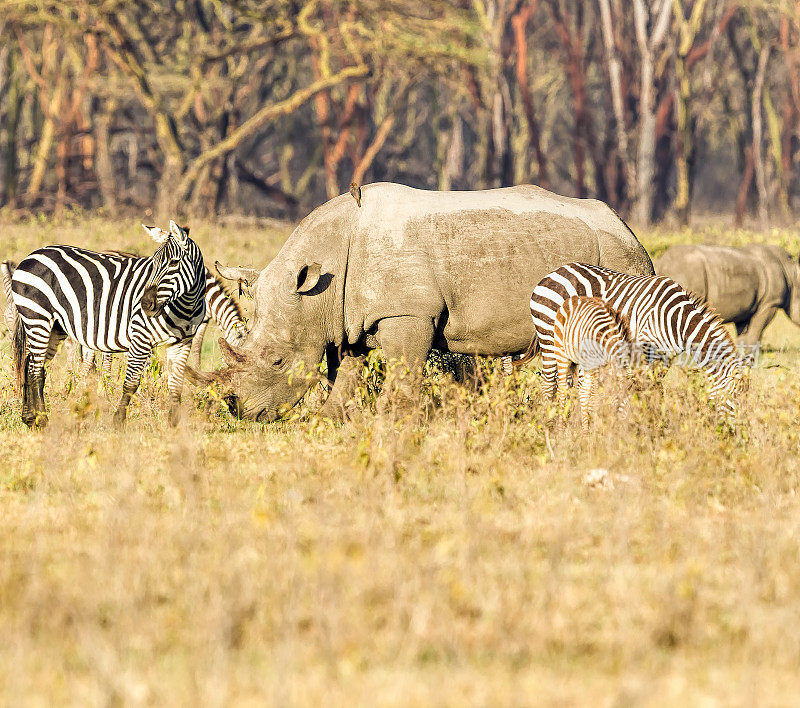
[(181, 235), (157, 234)]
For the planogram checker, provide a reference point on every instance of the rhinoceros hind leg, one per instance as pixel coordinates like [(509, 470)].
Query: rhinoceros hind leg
[(749, 333)]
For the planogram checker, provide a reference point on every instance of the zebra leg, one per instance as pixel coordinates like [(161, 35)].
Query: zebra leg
[(56, 337), (622, 383), (563, 368), (41, 348), (549, 376), (107, 361), (28, 412), (177, 354), (137, 359), (34, 411), (87, 363), (587, 396), (197, 346)]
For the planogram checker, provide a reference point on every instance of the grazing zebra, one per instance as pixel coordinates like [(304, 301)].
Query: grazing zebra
[(658, 314), (219, 305), (111, 303), (586, 334)]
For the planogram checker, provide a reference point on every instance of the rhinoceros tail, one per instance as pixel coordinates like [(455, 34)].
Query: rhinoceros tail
[(530, 352)]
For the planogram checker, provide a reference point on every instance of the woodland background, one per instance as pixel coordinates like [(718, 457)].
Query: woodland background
[(270, 107)]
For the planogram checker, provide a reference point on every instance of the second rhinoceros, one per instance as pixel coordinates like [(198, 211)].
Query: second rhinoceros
[(746, 285), (409, 270)]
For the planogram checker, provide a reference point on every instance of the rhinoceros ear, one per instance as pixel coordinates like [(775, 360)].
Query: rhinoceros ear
[(246, 275), (308, 277)]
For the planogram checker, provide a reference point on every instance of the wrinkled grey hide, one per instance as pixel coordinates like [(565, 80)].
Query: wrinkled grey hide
[(746, 285), (411, 270)]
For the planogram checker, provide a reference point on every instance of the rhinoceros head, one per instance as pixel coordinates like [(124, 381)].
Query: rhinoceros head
[(278, 360)]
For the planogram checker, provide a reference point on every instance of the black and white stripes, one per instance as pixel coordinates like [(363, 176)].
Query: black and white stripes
[(658, 314), (586, 335), (220, 307), (112, 303)]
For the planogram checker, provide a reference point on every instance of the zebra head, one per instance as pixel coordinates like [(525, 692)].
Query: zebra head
[(174, 269), (730, 380)]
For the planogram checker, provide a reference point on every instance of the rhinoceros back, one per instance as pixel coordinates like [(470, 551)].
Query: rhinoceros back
[(470, 260), (729, 278)]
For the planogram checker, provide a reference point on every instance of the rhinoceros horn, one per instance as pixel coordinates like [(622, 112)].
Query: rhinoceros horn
[(248, 276), (196, 377), (230, 355)]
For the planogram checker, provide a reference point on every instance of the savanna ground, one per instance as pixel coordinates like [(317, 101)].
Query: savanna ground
[(461, 557)]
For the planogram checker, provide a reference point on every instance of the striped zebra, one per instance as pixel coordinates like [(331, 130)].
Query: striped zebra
[(220, 306), (588, 335), (659, 315), (111, 303)]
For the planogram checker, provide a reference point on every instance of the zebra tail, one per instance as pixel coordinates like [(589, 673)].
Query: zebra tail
[(7, 268), (532, 351), (197, 346), (19, 349)]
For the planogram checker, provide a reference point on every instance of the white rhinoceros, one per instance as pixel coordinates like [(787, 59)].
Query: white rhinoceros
[(746, 285), (409, 270)]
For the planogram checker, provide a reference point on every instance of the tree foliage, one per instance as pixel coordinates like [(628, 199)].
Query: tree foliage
[(270, 107)]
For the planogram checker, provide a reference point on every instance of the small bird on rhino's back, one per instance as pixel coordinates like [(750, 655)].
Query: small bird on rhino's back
[(355, 191)]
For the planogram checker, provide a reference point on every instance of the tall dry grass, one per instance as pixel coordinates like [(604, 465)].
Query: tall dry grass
[(467, 553)]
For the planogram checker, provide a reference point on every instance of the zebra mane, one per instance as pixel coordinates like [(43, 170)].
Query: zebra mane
[(222, 286), (703, 305), (124, 254)]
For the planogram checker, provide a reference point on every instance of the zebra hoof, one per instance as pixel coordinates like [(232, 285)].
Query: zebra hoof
[(119, 419), (36, 421), (174, 416)]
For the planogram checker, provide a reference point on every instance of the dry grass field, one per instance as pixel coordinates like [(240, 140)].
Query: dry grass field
[(467, 555)]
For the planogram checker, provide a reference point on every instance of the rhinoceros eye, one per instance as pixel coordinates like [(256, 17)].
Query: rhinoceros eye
[(277, 361)]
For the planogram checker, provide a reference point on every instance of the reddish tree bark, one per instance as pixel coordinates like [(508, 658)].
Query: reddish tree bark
[(574, 59), (519, 24)]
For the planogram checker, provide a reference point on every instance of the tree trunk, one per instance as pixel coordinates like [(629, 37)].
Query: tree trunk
[(14, 103), (46, 140), (502, 169), (62, 148), (744, 187), (758, 133), (453, 166), (688, 31), (167, 193), (645, 168), (519, 23), (684, 139), (104, 166), (648, 43), (374, 147), (627, 170)]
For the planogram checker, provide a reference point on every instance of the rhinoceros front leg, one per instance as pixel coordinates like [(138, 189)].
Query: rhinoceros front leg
[(344, 377), (749, 333), (406, 343)]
